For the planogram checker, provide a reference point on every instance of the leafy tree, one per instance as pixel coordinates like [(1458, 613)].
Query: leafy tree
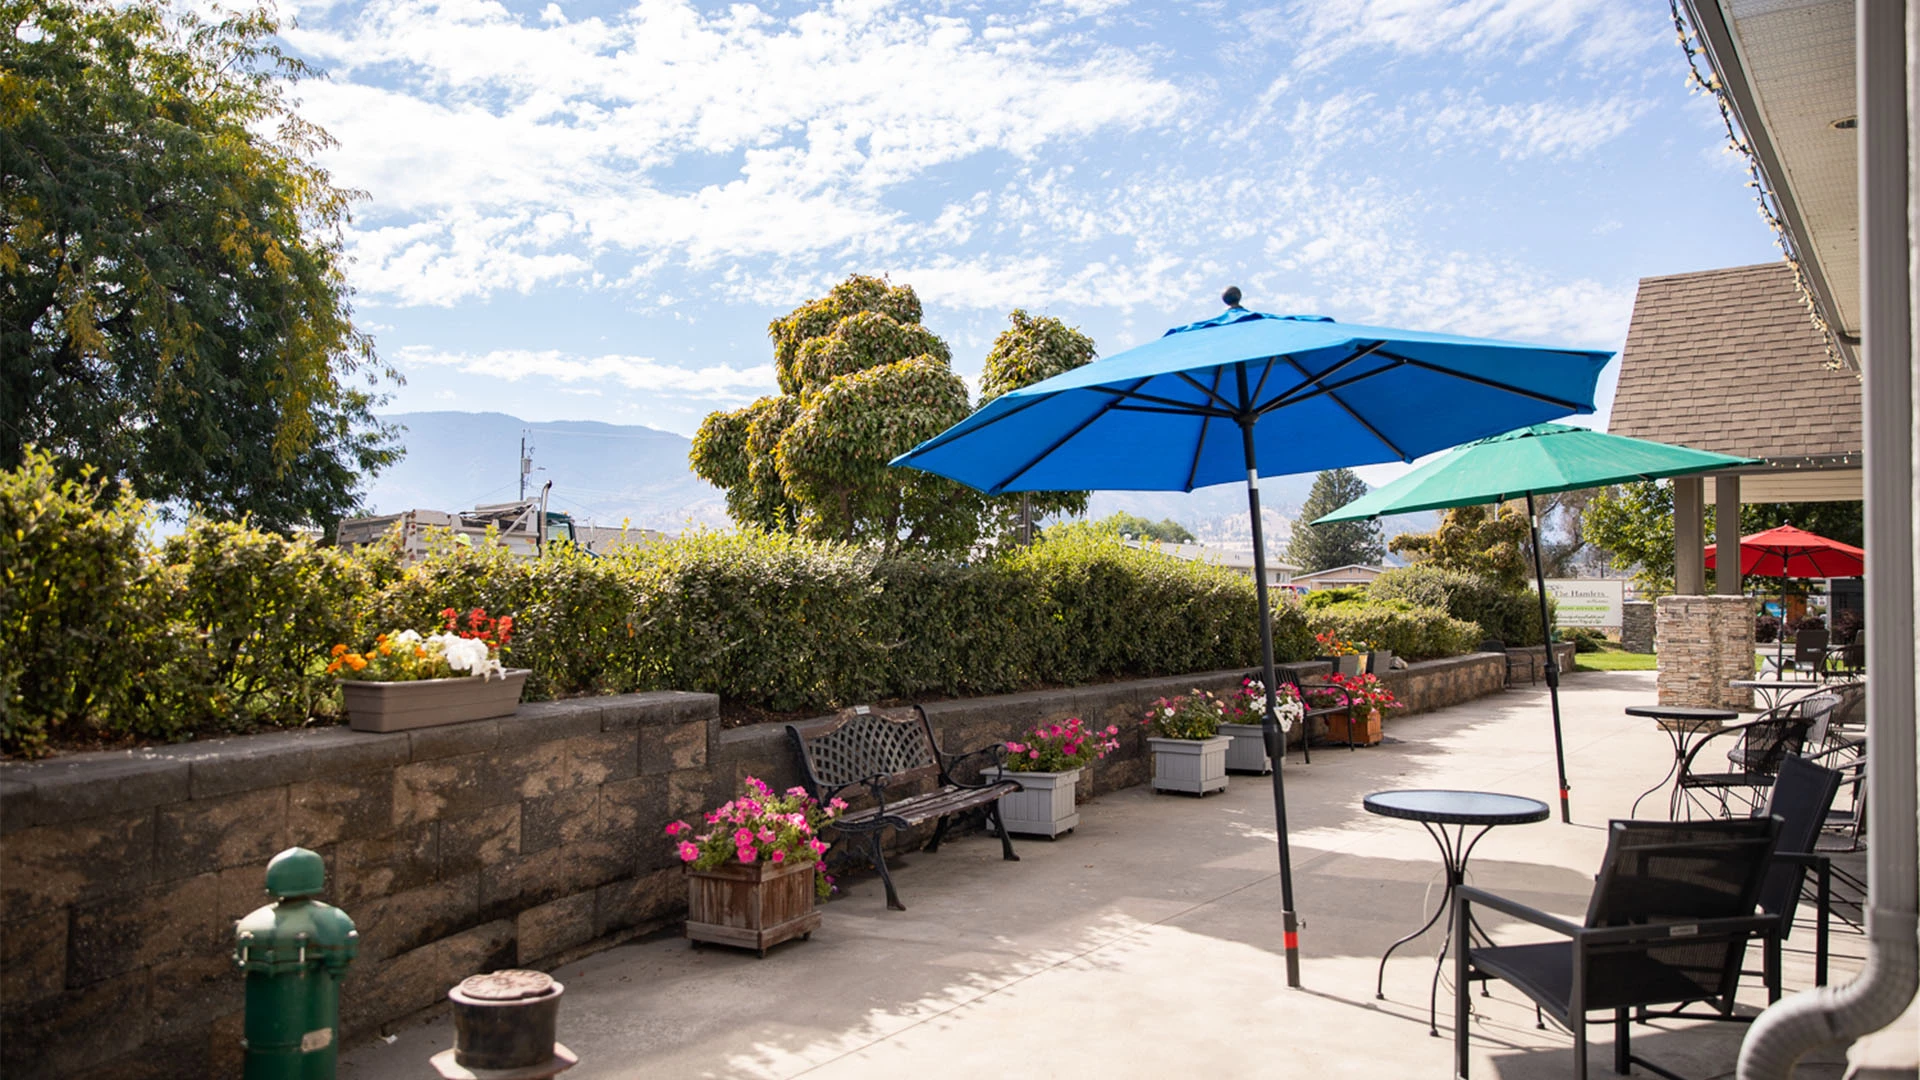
[(1032, 348), (1348, 543), (1475, 541), (1633, 523), (1166, 530), (173, 310), (861, 382)]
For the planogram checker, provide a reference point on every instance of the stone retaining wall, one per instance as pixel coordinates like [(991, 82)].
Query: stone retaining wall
[(526, 841)]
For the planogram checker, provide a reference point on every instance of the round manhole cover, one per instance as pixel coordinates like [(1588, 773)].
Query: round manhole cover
[(507, 986)]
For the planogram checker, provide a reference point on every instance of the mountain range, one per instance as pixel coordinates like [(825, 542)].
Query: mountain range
[(607, 474)]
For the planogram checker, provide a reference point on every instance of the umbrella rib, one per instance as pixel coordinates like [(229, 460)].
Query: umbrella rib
[(1491, 383), (1195, 383), (1061, 441), (1287, 397), (1184, 408), (1265, 374), (1295, 397), (954, 432), (1200, 444), (1350, 410)]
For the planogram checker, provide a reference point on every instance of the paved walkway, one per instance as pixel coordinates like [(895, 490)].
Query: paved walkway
[(1148, 943)]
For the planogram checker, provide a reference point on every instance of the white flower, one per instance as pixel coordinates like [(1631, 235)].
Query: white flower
[(405, 637), (1169, 712), (467, 654)]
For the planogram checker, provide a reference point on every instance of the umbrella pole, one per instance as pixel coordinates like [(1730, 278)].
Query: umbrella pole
[(1780, 637), (1269, 722), (1553, 665)]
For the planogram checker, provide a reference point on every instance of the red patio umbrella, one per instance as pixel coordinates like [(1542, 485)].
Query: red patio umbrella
[(1786, 552)]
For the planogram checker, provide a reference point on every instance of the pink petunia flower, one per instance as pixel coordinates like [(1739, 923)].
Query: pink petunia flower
[(779, 857), (747, 854), (688, 851)]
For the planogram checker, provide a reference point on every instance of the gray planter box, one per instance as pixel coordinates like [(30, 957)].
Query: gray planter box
[(1379, 661), (402, 706), (1196, 766), (1344, 665), (1248, 753), (1045, 808)]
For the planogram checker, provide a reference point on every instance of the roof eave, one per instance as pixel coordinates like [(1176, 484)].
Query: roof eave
[(1709, 21)]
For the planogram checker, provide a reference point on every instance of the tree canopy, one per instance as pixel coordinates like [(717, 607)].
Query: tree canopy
[(1633, 523), (1473, 540), (862, 381), (173, 310), (1166, 530), (1348, 543)]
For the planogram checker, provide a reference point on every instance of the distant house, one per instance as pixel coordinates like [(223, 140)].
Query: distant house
[(1338, 577), (1239, 560)]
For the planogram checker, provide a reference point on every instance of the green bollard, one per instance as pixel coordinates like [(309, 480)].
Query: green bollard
[(294, 952)]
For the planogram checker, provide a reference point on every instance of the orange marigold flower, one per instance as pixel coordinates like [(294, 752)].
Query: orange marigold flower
[(355, 662), (338, 649), (333, 667)]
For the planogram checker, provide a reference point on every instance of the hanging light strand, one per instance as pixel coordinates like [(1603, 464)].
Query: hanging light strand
[(1709, 83)]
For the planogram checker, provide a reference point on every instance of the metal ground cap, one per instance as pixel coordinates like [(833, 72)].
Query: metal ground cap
[(507, 986)]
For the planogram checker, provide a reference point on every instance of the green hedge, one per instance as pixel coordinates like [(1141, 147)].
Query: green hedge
[(1509, 615), (1413, 633), (104, 635)]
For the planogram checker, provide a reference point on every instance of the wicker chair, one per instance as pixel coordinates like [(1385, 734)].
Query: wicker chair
[(1670, 917)]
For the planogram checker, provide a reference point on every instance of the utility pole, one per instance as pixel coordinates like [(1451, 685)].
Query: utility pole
[(526, 465)]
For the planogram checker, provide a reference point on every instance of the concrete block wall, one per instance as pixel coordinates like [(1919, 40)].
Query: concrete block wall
[(1705, 642), (527, 841)]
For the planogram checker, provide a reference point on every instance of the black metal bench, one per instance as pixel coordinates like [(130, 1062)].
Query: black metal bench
[(876, 751)]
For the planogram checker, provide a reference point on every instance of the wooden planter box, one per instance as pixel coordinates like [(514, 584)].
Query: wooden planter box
[(1045, 808), (1248, 752), (401, 706), (1366, 730), (1196, 766), (751, 907)]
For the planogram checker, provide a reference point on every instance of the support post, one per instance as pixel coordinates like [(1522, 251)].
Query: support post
[(1689, 537), (1726, 535)]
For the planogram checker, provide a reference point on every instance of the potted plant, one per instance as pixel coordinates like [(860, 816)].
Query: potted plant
[(753, 876), (1248, 752), (1343, 654), (407, 679), (1047, 762), (1189, 753), (1379, 661), (1370, 698)]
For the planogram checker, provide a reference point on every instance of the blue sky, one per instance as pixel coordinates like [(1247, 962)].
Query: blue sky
[(590, 210)]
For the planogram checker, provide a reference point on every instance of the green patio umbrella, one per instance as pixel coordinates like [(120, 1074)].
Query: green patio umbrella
[(1537, 460)]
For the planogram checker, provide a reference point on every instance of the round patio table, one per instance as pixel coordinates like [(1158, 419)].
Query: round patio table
[(1435, 810), (1773, 691), (1681, 723)]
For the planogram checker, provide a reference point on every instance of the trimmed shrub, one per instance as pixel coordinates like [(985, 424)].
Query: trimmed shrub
[(1345, 594), (1766, 629), (1585, 639), (1513, 617), (73, 610), (1414, 633)]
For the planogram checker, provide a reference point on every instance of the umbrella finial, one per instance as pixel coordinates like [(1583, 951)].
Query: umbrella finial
[(1232, 296)]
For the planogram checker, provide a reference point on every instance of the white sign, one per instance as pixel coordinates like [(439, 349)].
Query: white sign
[(1587, 601)]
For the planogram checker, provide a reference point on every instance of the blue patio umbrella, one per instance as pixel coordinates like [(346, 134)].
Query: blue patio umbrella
[(1245, 394)]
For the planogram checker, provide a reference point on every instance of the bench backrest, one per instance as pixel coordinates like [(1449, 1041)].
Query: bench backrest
[(864, 741)]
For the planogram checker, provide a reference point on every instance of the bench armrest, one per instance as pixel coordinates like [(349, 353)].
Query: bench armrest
[(998, 752)]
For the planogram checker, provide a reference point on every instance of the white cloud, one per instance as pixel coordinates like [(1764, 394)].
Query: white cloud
[(1597, 32), (631, 372)]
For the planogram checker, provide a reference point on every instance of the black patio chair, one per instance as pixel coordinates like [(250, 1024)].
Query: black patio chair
[(1810, 652), (1669, 921), (1734, 765), (1515, 659), (1802, 797)]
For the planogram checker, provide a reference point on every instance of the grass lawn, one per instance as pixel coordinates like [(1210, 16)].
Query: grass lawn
[(1614, 660)]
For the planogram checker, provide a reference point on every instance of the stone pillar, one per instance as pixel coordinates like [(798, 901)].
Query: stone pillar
[(1689, 537), (1705, 643), (1636, 626), (1726, 535)]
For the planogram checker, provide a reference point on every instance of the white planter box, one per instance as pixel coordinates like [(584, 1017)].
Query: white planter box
[(1191, 765), (1045, 808), (1249, 750)]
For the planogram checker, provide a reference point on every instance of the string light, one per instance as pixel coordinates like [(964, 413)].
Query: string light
[(1763, 196)]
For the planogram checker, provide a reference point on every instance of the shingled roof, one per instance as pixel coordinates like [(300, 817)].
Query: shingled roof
[(1727, 360)]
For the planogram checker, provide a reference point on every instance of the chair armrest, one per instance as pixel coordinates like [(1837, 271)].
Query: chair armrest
[(1467, 894)]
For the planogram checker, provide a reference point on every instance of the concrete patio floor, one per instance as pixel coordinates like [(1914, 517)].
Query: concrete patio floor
[(1148, 942)]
